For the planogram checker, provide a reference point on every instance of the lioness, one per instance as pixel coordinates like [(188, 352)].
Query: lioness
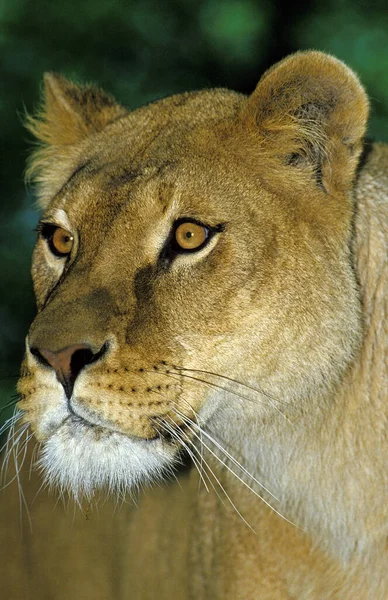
[(210, 274)]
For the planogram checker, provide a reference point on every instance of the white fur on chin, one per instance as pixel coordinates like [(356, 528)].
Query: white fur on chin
[(83, 459)]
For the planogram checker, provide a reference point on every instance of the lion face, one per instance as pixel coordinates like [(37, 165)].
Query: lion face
[(191, 259)]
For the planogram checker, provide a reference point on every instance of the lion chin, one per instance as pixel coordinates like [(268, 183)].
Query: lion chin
[(82, 458)]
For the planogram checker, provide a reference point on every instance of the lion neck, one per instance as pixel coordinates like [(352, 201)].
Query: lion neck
[(329, 469)]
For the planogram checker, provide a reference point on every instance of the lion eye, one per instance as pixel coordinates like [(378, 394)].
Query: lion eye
[(191, 236), (59, 240)]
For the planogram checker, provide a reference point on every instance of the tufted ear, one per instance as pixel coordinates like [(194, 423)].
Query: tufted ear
[(69, 114), (310, 112)]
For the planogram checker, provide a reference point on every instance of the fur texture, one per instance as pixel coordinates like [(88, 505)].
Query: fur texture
[(265, 349)]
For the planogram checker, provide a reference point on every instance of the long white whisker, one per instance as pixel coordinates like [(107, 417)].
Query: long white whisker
[(202, 431), (13, 439), (200, 467), (33, 458), (16, 415), (235, 381), (177, 374), (44, 485), (16, 456), (9, 424), (196, 420), (22, 498), (10, 441), (222, 488), (175, 435), (238, 477)]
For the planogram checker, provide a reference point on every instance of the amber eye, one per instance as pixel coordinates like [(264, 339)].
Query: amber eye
[(191, 236), (61, 242)]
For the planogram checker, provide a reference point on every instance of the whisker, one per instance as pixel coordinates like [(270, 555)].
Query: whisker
[(235, 474), (22, 449), (22, 498), (221, 487), (15, 452), (201, 431), (8, 424), (234, 460), (10, 403), (12, 440), (175, 435), (198, 465), (34, 457), (169, 429), (176, 376), (242, 396), (232, 380), (43, 486), (195, 416)]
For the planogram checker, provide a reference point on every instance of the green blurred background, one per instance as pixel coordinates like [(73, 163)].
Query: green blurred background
[(141, 50)]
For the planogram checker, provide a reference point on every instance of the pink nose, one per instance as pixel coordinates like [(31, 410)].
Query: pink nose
[(68, 362)]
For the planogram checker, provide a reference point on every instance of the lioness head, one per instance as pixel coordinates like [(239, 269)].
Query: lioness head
[(184, 247)]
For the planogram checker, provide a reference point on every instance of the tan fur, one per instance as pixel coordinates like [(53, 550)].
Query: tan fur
[(288, 300)]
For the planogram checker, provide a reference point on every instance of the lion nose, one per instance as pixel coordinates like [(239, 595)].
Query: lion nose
[(68, 362)]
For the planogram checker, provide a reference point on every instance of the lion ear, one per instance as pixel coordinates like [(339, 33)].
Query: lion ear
[(310, 111), (72, 112), (69, 114)]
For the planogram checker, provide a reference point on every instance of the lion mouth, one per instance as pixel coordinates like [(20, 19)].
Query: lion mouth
[(166, 426), (160, 433), (99, 430), (83, 452)]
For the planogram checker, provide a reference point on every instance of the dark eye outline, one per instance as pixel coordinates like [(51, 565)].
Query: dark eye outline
[(172, 249), (46, 231)]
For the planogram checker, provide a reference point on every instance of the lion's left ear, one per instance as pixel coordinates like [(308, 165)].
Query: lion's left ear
[(310, 112)]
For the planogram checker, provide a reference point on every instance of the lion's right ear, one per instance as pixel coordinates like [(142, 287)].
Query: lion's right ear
[(69, 114)]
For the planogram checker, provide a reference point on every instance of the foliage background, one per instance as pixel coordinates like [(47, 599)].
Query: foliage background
[(141, 50)]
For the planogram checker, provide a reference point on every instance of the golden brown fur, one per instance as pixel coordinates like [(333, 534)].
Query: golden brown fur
[(288, 299)]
